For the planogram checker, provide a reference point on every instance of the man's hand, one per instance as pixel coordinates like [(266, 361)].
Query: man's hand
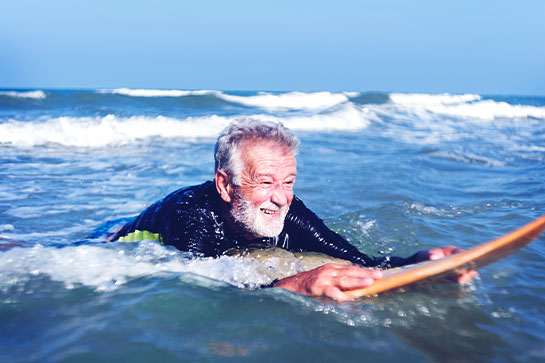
[(463, 277), (330, 280)]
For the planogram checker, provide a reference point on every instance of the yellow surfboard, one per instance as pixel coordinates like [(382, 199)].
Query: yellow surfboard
[(471, 259)]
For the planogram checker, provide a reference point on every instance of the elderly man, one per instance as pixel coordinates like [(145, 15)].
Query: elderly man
[(251, 201)]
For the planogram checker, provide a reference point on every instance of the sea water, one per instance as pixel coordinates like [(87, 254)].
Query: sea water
[(393, 173)]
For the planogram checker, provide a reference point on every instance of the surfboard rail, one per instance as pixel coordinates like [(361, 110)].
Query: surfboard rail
[(472, 259)]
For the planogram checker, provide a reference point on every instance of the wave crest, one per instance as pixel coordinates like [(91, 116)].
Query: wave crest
[(103, 131), (106, 267), (113, 130), (289, 101), (424, 100), (263, 100), (38, 95), (155, 92), (468, 106)]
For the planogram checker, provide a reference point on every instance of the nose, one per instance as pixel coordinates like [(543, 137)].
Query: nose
[(280, 195)]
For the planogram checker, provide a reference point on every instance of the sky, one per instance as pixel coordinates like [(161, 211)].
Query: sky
[(478, 46)]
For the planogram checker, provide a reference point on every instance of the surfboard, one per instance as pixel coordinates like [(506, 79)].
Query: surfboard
[(472, 259)]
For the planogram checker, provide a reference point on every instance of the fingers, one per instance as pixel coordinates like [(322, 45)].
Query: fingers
[(351, 283), (336, 294), (349, 277), (466, 277), (442, 252), (438, 253), (330, 280), (352, 271), (343, 277), (451, 250)]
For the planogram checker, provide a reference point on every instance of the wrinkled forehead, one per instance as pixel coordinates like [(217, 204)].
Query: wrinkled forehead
[(261, 153)]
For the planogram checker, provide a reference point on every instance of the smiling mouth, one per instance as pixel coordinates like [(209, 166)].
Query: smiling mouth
[(271, 212)]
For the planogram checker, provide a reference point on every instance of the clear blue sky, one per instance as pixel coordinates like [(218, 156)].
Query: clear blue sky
[(488, 47)]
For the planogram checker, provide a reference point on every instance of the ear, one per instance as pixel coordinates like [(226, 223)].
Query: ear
[(223, 186)]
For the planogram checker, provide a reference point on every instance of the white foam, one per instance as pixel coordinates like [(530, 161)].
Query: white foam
[(289, 101), (424, 100), (10, 196), (467, 106), (443, 211), (108, 130), (348, 117), (422, 209), (6, 227), (112, 130), (491, 110), (108, 266), (155, 92), (365, 226), (39, 95)]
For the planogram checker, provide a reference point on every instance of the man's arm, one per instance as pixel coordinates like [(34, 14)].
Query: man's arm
[(308, 233), (330, 280)]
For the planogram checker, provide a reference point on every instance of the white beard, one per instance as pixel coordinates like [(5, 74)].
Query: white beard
[(252, 220)]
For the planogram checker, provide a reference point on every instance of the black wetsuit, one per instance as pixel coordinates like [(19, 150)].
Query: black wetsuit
[(191, 219)]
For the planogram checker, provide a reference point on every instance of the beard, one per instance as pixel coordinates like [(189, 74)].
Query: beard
[(253, 221)]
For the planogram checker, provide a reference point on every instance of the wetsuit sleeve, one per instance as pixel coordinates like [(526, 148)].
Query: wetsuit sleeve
[(187, 219), (307, 232)]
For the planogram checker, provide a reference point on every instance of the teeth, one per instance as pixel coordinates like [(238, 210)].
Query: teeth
[(270, 211)]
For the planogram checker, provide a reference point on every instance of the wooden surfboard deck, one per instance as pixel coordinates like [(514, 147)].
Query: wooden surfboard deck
[(471, 259)]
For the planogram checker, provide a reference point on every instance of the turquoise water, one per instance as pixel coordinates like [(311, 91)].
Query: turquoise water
[(393, 173)]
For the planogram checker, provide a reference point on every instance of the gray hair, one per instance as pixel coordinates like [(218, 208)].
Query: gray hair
[(227, 155)]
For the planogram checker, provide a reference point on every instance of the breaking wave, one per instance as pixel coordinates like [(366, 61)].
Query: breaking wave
[(79, 119), (155, 92), (264, 100), (289, 101), (38, 95), (105, 267), (468, 106), (114, 130)]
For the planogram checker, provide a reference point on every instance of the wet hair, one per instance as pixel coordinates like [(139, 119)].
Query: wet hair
[(227, 155)]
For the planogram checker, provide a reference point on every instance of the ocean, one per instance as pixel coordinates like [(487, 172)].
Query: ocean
[(393, 173)]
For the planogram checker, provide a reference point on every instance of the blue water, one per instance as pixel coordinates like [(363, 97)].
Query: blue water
[(393, 173)]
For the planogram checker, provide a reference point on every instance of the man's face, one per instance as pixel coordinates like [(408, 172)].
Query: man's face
[(261, 201)]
